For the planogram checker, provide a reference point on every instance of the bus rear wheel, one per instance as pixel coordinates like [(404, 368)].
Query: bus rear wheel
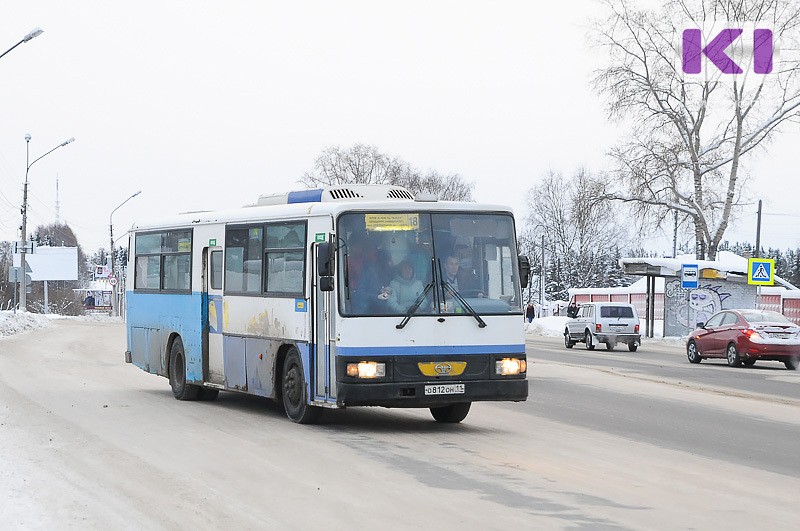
[(294, 394), (452, 414), (177, 373), (208, 394)]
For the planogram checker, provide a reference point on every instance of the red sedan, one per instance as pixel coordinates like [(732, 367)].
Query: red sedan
[(745, 336)]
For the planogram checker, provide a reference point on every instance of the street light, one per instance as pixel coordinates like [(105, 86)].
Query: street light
[(35, 32), (23, 295), (114, 309)]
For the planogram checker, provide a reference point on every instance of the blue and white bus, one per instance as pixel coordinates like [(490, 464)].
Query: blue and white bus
[(353, 295)]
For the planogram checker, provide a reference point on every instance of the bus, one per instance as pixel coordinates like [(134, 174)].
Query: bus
[(352, 295)]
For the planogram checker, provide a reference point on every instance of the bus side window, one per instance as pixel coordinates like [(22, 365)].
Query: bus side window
[(216, 269), (164, 261), (284, 257), (243, 259)]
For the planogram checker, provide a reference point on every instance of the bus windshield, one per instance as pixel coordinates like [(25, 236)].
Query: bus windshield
[(391, 262)]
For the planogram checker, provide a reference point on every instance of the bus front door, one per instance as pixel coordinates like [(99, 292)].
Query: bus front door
[(323, 348), (213, 363)]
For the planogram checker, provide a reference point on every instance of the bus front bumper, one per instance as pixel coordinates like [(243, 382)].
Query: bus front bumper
[(412, 394)]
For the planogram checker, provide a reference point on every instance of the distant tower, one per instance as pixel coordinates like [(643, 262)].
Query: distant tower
[(58, 205)]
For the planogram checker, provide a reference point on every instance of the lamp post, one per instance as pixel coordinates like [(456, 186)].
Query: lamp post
[(35, 32), (114, 308), (23, 295)]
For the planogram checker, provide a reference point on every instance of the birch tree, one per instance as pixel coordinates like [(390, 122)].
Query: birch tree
[(582, 232), (690, 135), (573, 215)]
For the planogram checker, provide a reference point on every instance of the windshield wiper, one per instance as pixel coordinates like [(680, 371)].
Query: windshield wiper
[(470, 310), (346, 276), (415, 306)]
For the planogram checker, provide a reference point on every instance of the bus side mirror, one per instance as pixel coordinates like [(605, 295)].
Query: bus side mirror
[(524, 270), (325, 263), (326, 283)]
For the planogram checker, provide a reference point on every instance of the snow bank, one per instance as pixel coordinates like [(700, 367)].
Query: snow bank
[(11, 323), (547, 326)]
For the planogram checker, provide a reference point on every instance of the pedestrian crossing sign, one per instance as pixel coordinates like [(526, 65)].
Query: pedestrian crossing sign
[(761, 271)]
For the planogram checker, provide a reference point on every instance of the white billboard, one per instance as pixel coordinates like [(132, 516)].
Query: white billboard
[(51, 263)]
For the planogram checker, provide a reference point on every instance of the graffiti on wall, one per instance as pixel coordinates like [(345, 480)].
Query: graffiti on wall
[(685, 308), (703, 303)]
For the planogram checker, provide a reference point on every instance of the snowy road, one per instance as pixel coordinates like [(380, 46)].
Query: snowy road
[(87, 441)]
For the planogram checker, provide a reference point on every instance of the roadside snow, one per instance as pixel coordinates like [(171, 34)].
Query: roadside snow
[(554, 327), (11, 323), (547, 326)]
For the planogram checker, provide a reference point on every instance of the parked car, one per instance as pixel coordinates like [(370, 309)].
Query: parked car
[(604, 322), (745, 336)]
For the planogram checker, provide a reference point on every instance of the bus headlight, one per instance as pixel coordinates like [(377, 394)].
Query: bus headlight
[(366, 369), (510, 366)]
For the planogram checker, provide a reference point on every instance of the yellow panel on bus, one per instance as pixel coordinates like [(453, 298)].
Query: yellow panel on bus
[(389, 222)]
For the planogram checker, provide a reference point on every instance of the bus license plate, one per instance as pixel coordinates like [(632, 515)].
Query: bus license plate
[(444, 389)]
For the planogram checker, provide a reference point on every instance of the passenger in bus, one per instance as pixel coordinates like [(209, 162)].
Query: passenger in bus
[(363, 277), (464, 255), (462, 280), (405, 288)]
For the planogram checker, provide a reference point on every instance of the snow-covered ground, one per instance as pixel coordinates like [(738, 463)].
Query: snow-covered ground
[(11, 323), (554, 327)]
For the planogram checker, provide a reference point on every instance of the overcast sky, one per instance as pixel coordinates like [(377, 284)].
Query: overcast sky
[(206, 105)]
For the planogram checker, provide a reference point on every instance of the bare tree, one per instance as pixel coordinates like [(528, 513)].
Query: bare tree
[(573, 215), (450, 187), (582, 233), (690, 134), (359, 164), (363, 164)]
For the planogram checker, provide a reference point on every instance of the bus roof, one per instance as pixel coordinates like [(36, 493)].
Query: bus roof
[(303, 210)]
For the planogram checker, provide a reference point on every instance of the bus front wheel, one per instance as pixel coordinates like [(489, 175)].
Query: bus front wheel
[(177, 373), (451, 414), (295, 396)]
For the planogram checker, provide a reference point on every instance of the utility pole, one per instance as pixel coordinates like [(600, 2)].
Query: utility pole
[(757, 253), (58, 204), (541, 281), (114, 302), (23, 296), (113, 274), (23, 287)]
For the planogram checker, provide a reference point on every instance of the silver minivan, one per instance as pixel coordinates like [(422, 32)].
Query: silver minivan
[(604, 322)]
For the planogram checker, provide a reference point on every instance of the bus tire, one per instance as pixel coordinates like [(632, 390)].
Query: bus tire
[(294, 393), (177, 373), (452, 414), (208, 394)]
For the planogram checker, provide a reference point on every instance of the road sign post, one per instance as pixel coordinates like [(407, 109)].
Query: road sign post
[(690, 274), (14, 275), (761, 271)]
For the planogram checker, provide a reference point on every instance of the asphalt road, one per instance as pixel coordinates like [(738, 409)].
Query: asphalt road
[(668, 422), (606, 441), (667, 361)]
